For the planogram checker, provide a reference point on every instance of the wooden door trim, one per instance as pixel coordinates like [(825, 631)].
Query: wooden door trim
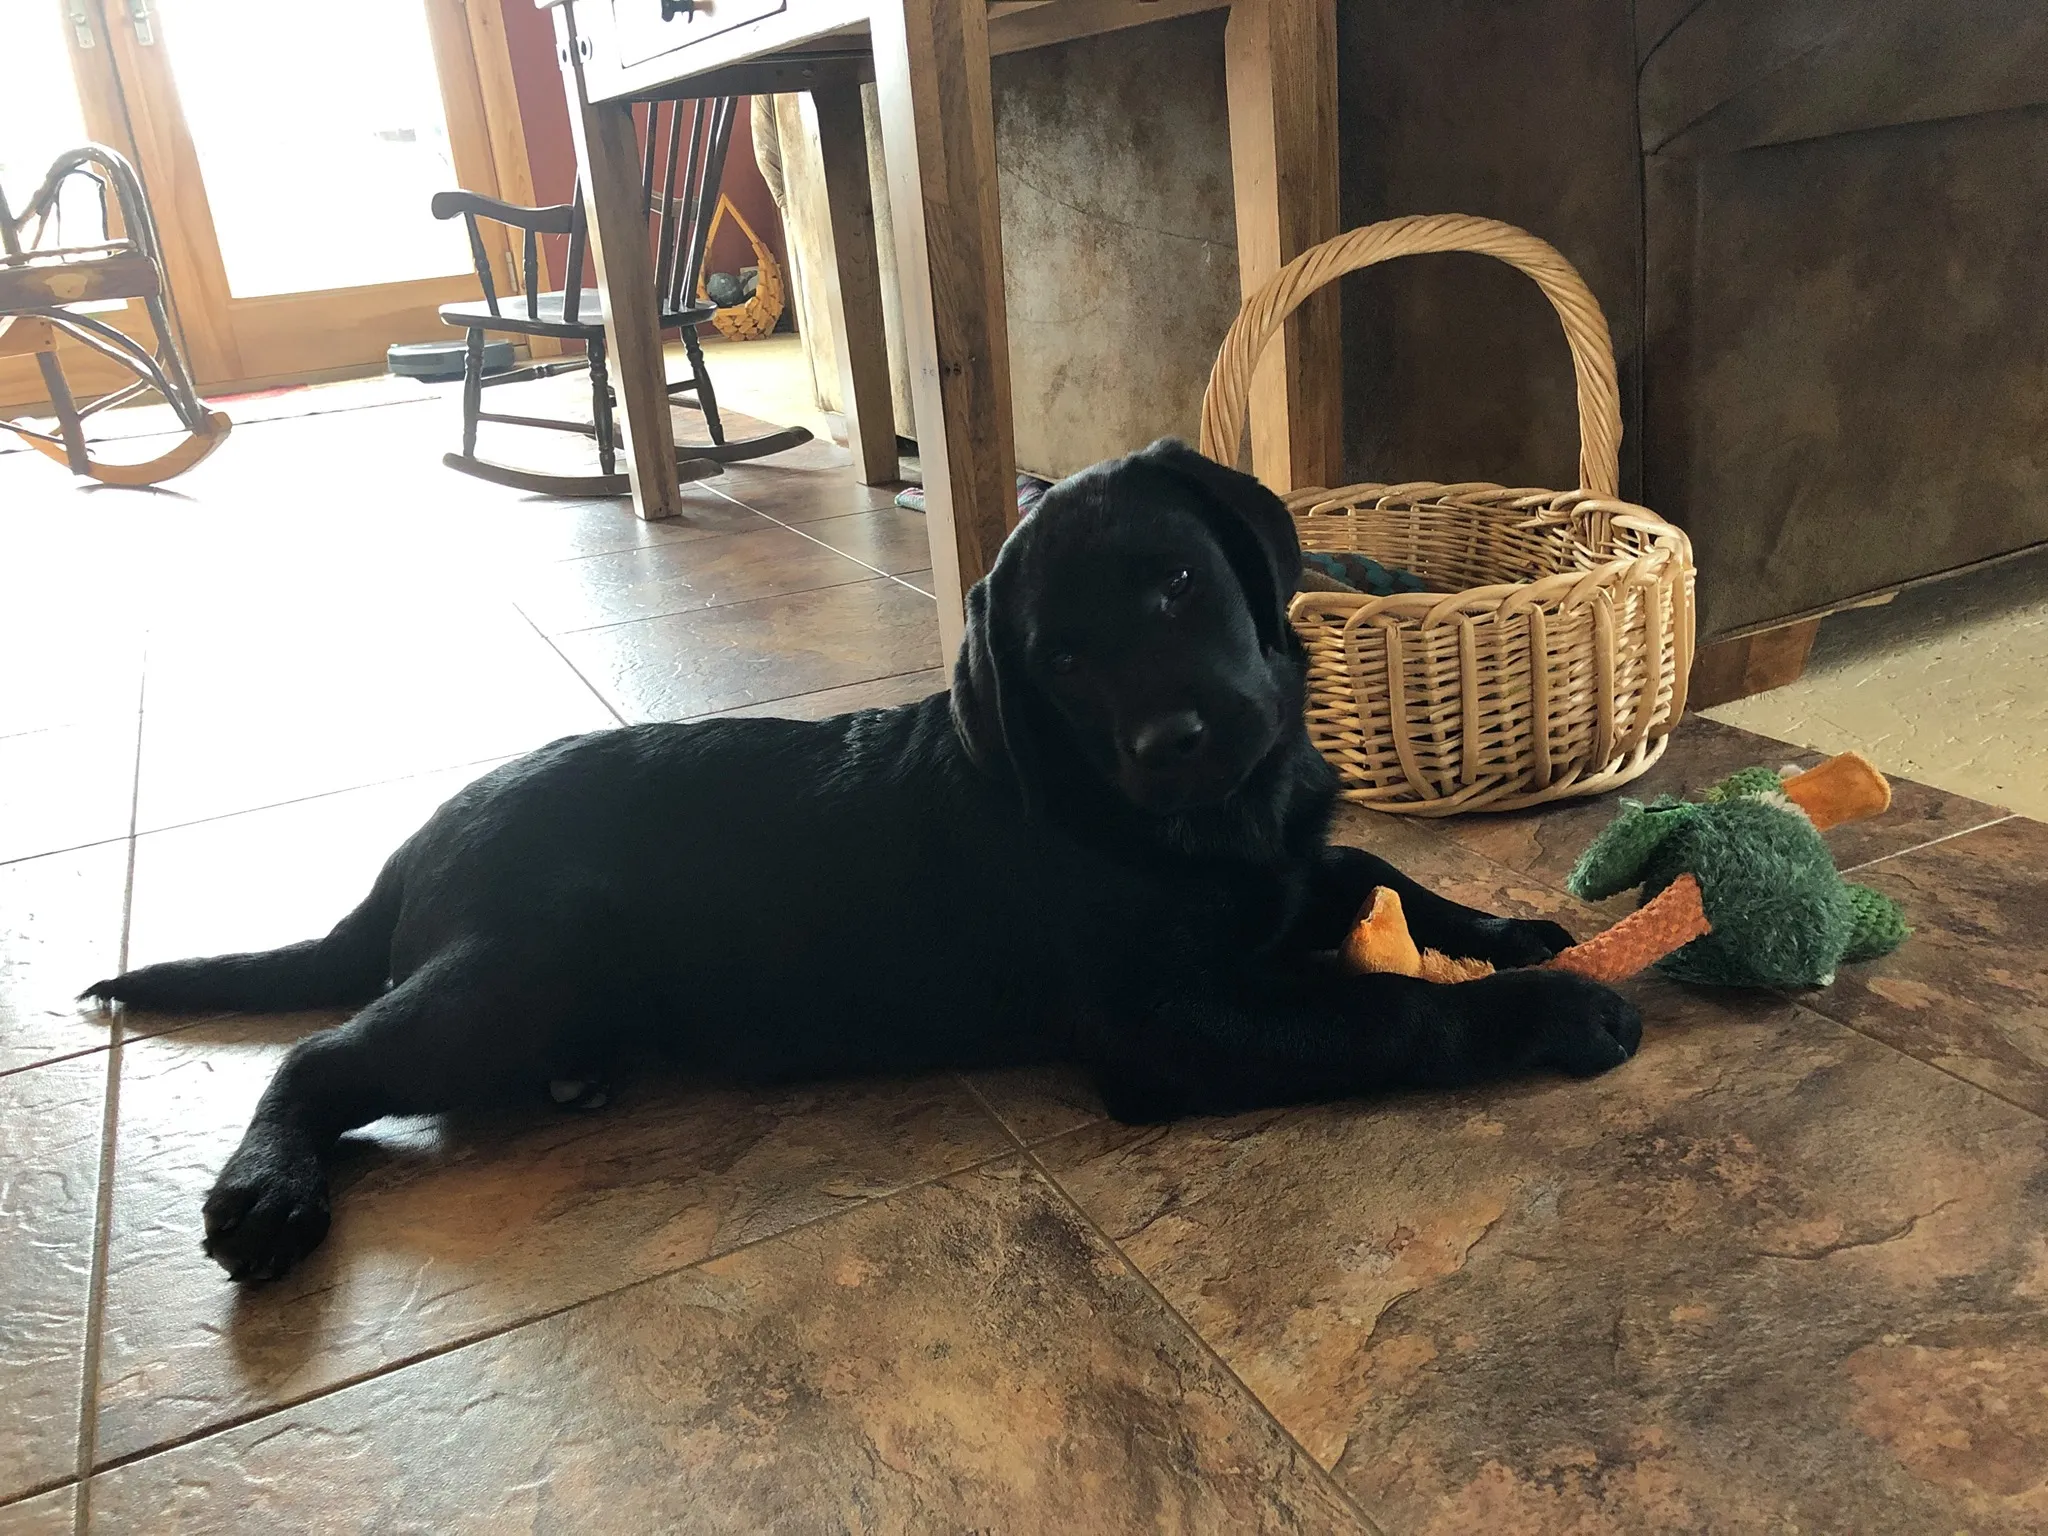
[(490, 58)]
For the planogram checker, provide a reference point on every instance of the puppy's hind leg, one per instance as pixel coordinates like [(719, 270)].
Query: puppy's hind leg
[(457, 1030)]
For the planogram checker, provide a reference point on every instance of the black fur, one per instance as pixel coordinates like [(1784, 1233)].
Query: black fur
[(1107, 844)]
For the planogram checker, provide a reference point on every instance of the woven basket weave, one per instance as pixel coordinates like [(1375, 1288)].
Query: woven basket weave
[(756, 315), (1549, 658)]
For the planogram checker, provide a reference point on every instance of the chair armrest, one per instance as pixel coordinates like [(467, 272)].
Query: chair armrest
[(558, 219)]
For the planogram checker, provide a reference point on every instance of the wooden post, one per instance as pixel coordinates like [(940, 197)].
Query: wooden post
[(1281, 75), (608, 154), (855, 305), (1734, 669), (938, 137)]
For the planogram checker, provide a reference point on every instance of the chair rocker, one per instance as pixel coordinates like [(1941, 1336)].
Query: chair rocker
[(37, 283), (679, 182)]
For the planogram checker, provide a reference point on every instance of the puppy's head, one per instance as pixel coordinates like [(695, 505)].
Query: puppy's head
[(1134, 629)]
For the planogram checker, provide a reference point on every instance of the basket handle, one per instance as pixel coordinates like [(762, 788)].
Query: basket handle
[(1585, 327), (763, 257)]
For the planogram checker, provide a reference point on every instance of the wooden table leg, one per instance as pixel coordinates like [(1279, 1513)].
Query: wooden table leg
[(608, 160), (855, 306), (1281, 76), (938, 137)]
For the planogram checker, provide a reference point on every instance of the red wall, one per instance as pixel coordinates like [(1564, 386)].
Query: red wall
[(551, 155)]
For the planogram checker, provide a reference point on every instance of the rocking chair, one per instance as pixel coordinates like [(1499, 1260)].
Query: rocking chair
[(679, 182), (36, 285)]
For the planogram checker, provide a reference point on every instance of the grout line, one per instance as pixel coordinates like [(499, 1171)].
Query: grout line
[(324, 794), (737, 602), (129, 1036), (1328, 1478), (989, 1109), (1041, 1141), (37, 1490), (798, 528), (549, 641), (52, 853), (810, 693), (84, 723), (51, 1061), (802, 529), (268, 421), (905, 581), (1804, 1006), (1933, 842), (497, 1331), (653, 544), (103, 1193)]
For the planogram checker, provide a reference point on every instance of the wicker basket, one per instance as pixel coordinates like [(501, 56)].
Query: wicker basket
[(1549, 658), (756, 316)]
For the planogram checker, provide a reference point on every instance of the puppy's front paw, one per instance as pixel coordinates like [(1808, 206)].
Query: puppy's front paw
[(1595, 1034), (1561, 1021), (267, 1210), (1509, 943)]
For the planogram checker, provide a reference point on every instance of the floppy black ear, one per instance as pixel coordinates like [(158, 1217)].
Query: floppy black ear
[(988, 691), (1250, 522)]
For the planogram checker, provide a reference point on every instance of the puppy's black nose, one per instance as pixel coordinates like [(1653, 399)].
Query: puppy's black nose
[(1169, 740)]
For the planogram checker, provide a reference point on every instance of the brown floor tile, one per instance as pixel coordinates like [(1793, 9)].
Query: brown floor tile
[(1036, 1102), (1546, 842), (541, 528), (811, 483), (966, 1356), (1400, 840), (1968, 990), (1920, 814), (50, 1119), (66, 786), (882, 693), (47, 1514), (439, 515), (288, 702), (60, 928), (748, 653), (891, 539), (680, 578), (922, 580), (444, 1232), (1769, 1276), (481, 528)]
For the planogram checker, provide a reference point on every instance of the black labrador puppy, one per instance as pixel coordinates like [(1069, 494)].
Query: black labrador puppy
[(1106, 844)]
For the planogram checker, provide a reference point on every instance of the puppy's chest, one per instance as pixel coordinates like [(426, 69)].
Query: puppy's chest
[(1200, 917)]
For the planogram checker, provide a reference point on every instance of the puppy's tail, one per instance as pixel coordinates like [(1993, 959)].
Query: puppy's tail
[(350, 965)]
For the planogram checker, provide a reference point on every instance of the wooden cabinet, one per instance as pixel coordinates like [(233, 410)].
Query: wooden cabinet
[(1819, 229)]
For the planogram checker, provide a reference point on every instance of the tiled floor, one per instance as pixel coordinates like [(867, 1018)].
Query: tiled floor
[(1786, 1271)]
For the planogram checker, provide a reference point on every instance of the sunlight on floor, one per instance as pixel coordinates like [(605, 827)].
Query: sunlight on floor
[(1947, 684), (769, 379)]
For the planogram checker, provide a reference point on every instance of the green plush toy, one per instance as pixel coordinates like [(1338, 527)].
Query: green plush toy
[(1781, 914)]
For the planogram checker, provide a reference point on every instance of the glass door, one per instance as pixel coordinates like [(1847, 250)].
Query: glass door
[(290, 152)]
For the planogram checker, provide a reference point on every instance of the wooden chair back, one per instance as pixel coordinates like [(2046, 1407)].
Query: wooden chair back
[(681, 165)]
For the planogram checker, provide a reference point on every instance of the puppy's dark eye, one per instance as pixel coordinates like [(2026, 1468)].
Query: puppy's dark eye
[(1061, 662), (1179, 585)]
